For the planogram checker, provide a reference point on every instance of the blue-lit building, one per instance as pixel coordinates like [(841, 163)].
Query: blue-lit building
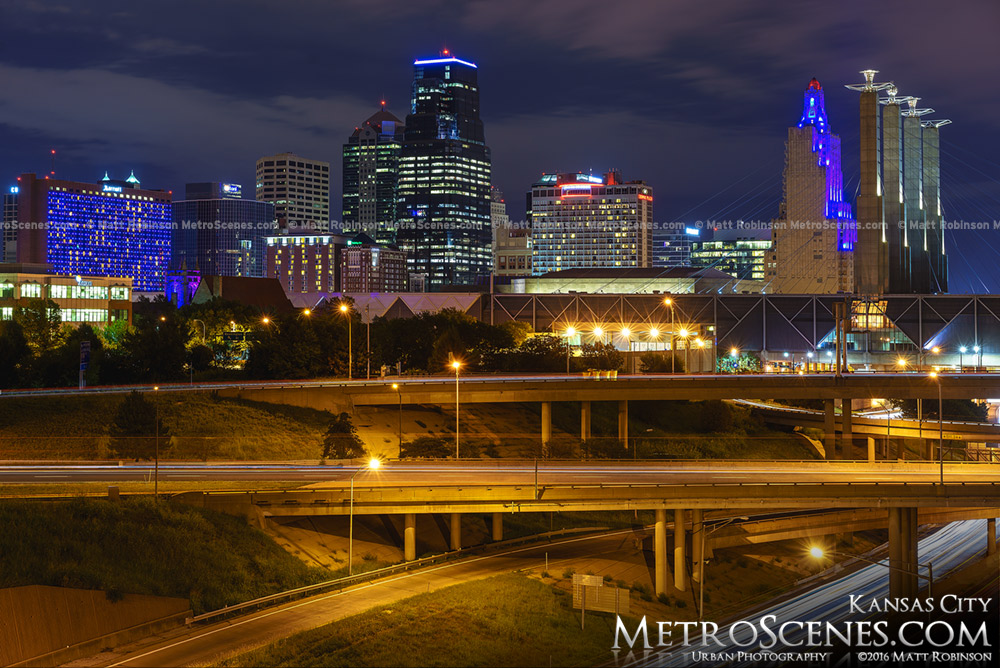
[(8, 238), (111, 228), (218, 232), (815, 233), (443, 195)]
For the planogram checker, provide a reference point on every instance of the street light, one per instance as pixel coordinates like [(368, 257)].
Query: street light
[(456, 365), (266, 320), (373, 465), (701, 346), (670, 304), (350, 343), (599, 334), (818, 553), (684, 335), (399, 396), (701, 583), (961, 359), (156, 451), (627, 333), (570, 332), (936, 376)]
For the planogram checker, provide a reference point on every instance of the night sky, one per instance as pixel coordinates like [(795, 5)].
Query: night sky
[(693, 97)]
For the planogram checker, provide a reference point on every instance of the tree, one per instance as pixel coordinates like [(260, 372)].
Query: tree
[(341, 439), (15, 356), (40, 319), (655, 362), (135, 428), (603, 356), (431, 447)]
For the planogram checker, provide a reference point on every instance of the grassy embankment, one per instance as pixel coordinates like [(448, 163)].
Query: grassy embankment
[(204, 427), (137, 546)]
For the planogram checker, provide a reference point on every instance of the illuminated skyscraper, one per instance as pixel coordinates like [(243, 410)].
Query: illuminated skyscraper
[(111, 228), (8, 236), (443, 209), (371, 177), (586, 221), (815, 235), (299, 188)]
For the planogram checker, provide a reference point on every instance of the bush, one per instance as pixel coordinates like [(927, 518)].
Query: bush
[(427, 447), (137, 430), (341, 439), (568, 573), (682, 604), (655, 362), (716, 416), (663, 598)]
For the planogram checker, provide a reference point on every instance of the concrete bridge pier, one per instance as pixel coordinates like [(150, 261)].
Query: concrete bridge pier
[(546, 427), (456, 531), (991, 536), (660, 552), (409, 537), (584, 420), (871, 449), (697, 545), (929, 446), (623, 422), (680, 569), (847, 440), (829, 429), (497, 527), (903, 581)]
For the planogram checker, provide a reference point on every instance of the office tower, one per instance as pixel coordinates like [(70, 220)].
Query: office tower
[(299, 188), (511, 245), (8, 238), (443, 211), (582, 221), (111, 228), (739, 253), (97, 300), (815, 235), (371, 177), (305, 262), (672, 248), (369, 267), (218, 232)]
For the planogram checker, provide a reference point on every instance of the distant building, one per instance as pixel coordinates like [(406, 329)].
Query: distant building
[(305, 263), (371, 177), (587, 221), (443, 211), (636, 280), (742, 254), (218, 232), (814, 234), (369, 267), (299, 188), (8, 239), (673, 249), (95, 300), (111, 228), (511, 246)]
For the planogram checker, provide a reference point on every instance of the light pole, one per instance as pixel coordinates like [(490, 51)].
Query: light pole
[(684, 335), (456, 365), (670, 304), (936, 376), (570, 331), (701, 583), (399, 397), (156, 446), (203, 342), (961, 359), (979, 358), (368, 345), (819, 553), (345, 309), (734, 352), (701, 346), (627, 333), (373, 465), (654, 334)]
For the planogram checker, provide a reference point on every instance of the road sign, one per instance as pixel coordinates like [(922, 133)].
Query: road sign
[(589, 593)]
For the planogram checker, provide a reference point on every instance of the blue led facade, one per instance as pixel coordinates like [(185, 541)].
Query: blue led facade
[(113, 234)]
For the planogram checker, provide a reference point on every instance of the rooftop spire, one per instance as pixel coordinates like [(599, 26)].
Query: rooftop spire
[(813, 108)]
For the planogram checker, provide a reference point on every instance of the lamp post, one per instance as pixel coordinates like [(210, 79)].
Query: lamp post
[(979, 358), (961, 359), (684, 335), (670, 304), (345, 309), (819, 553), (373, 465), (570, 331), (399, 397), (734, 352), (937, 377), (701, 583), (456, 365), (156, 446), (654, 334), (701, 346), (368, 345), (627, 333)]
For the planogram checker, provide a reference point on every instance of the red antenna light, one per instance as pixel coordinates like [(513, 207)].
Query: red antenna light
[(444, 52)]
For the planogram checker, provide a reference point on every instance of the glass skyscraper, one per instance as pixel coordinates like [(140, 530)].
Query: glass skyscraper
[(219, 233), (371, 176), (443, 211)]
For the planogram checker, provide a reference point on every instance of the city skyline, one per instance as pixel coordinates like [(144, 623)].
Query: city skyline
[(158, 98)]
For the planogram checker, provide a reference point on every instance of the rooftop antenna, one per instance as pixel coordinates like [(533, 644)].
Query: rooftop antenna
[(869, 84), (52, 171)]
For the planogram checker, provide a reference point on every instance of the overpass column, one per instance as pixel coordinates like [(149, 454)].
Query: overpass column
[(846, 450), (829, 429), (697, 545), (623, 422), (409, 537), (584, 420), (680, 568), (546, 427), (660, 552), (456, 531), (497, 526), (913, 582), (929, 445), (895, 553), (871, 449), (991, 536)]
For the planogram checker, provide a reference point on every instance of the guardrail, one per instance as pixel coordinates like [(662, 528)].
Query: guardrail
[(351, 580)]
